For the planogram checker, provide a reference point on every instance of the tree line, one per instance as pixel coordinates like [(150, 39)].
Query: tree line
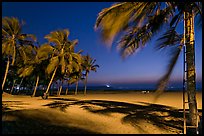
[(25, 60)]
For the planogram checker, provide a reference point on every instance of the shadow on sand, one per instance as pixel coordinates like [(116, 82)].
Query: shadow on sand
[(36, 122), (33, 122), (164, 117)]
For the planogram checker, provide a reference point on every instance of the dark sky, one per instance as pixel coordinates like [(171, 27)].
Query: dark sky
[(147, 65)]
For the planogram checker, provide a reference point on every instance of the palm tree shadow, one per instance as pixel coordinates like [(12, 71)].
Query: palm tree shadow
[(26, 122), (60, 103), (11, 105), (164, 117)]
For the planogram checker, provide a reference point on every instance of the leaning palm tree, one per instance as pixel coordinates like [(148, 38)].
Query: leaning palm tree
[(88, 65), (138, 22), (63, 55), (12, 38)]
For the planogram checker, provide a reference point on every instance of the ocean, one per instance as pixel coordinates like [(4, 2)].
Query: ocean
[(136, 86)]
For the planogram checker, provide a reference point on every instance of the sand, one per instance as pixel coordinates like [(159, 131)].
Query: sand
[(95, 113)]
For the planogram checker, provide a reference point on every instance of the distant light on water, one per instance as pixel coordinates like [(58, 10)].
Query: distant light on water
[(107, 85)]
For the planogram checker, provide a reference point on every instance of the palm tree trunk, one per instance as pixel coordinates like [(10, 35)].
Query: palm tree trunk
[(60, 88), (14, 53), (51, 80), (66, 91), (20, 84), (6, 72), (85, 83), (14, 81), (190, 64), (36, 85), (76, 87)]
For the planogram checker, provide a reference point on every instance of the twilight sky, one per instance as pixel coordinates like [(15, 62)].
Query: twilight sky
[(147, 65)]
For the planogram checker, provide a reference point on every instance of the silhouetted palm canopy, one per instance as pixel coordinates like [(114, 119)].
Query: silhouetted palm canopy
[(63, 52), (138, 22), (34, 59), (63, 55), (12, 37), (89, 64)]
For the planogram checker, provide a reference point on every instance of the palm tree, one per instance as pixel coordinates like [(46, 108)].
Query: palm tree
[(88, 65), (74, 78), (140, 21), (40, 61), (24, 68), (34, 58), (63, 54), (60, 78), (12, 38), (67, 89)]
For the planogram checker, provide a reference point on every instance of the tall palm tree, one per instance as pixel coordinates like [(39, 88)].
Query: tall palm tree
[(63, 54), (88, 65), (140, 21), (12, 38)]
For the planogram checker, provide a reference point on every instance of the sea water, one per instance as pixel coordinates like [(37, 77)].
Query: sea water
[(135, 86)]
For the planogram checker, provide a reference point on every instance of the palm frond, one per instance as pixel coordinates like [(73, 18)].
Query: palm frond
[(9, 25), (44, 51), (23, 54), (198, 13), (69, 68), (80, 51), (77, 57), (136, 37), (164, 80), (7, 48), (26, 71), (95, 66), (169, 38), (74, 42), (58, 37), (113, 20), (27, 39), (52, 65), (70, 58), (75, 66), (89, 63), (174, 19), (106, 11)]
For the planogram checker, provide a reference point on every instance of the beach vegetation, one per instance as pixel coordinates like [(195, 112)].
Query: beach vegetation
[(88, 65)]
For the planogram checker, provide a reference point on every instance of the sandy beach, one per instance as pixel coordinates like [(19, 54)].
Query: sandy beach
[(95, 113)]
